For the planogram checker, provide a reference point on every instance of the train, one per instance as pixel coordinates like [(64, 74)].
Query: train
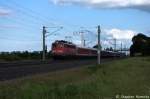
[(65, 49)]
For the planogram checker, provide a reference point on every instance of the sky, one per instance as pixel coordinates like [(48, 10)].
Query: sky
[(21, 22)]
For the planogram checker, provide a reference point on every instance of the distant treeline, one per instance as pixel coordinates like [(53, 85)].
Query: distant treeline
[(140, 46), (22, 55)]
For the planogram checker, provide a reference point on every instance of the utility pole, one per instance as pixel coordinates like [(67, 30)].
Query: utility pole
[(44, 32), (45, 35), (99, 46), (125, 49), (121, 46), (115, 44), (82, 38), (84, 43)]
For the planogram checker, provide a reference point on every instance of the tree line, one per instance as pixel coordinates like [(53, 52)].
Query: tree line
[(22, 55)]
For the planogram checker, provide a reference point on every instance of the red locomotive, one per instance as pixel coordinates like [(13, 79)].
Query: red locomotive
[(63, 49), (67, 49)]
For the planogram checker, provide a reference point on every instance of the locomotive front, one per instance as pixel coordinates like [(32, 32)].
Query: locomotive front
[(63, 49)]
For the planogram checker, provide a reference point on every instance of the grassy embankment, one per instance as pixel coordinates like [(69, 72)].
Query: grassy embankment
[(128, 77)]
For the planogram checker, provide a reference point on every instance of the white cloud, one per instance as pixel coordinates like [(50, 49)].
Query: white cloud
[(120, 34), (134, 4), (4, 12)]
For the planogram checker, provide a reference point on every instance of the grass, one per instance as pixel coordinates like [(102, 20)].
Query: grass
[(123, 77)]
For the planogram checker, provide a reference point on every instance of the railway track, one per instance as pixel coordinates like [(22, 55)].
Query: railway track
[(23, 63), (14, 70)]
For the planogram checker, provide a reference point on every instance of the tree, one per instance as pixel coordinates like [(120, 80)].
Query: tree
[(109, 49), (141, 44)]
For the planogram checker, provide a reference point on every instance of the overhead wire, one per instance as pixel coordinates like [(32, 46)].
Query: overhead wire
[(20, 17), (29, 12), (24, 10), (22, 25), (32, 14), (46, 18)]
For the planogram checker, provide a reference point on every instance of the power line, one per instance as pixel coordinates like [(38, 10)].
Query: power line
[(44, 18), (25, 26), (26, 11), (30, 18), (21, 21), (27, 14), (28, 29), (33, 14)]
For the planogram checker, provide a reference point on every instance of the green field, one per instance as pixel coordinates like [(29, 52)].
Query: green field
[(121, 77)]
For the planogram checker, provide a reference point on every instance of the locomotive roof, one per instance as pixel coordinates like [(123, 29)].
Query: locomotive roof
[(63, 41)]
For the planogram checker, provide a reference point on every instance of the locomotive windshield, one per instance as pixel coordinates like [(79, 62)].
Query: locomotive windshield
[(54, 45)]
